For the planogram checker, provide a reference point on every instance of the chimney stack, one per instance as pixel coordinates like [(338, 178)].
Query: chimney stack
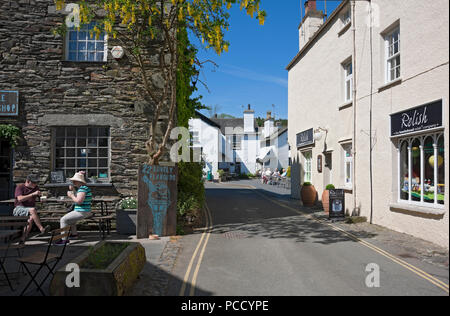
[(310, 5)]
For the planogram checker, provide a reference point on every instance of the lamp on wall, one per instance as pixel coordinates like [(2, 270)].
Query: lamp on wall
[(318, 133)]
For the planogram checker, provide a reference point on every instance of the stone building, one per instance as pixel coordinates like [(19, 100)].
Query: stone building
[(368, 111), (78, 107)]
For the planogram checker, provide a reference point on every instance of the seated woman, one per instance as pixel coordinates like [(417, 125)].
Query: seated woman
[(82, 199)]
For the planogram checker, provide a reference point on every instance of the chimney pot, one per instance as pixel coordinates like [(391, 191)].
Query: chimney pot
[(249, 107), (269, 115)]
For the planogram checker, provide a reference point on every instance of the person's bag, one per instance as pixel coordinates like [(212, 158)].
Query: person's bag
[(71, 208)]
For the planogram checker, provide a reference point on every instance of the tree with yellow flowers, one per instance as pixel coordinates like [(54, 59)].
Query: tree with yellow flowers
[(141, 25)]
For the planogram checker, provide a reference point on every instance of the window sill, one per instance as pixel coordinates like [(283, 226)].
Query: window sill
[(345, 105), (432, 210), (344, 29), (62, 185), (390, 84)]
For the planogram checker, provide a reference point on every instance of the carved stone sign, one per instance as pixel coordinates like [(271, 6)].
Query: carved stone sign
[(418, 119), (157, 201), (9, 103)]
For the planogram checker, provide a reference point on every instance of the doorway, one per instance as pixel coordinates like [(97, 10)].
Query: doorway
[(6, 183)]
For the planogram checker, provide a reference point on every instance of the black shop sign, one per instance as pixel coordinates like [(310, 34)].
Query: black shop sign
[(337, 203), (305, 138), (9, 103), (421, 118)]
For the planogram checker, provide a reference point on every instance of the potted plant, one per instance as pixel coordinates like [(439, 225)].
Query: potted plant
[(309, 194), (326, 198), (221, 174), (126, 216), (93, 179)]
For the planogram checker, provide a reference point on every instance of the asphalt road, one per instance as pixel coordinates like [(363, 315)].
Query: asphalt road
[(256, 247)]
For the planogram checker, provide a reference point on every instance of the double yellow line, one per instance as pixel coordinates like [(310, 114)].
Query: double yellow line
[(384, 253), (201, 244)]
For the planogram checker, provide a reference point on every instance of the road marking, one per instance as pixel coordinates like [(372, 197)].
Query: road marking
[(207, 233), (188, 271), (194, 277), (386, 254)]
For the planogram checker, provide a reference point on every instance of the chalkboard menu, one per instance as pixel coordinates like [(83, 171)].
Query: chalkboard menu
[(57, 177), (337, 203), (418, 119), (305, 138)]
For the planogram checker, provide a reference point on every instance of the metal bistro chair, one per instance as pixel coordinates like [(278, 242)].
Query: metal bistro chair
[(16, 225), (44, 259)]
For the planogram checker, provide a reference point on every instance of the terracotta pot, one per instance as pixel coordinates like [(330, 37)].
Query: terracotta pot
[(309, 194), (326, 201)]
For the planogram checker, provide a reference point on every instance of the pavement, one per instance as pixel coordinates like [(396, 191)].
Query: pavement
[(161, 255)]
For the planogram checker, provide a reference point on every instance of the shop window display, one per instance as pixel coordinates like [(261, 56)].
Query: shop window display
[(418, 159)]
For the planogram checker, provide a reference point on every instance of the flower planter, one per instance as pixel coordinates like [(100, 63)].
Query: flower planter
[(309, 195), (126, 221), (326, 201), (114, 280)]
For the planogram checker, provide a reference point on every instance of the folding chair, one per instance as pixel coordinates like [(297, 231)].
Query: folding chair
[(44, 259), (17, 225)]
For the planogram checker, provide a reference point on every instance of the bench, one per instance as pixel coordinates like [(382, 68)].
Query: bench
[(103, 221)]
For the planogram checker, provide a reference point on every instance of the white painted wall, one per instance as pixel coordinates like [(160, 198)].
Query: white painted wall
[(316, 99)]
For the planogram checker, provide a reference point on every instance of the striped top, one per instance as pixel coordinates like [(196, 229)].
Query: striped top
[(86, 205)]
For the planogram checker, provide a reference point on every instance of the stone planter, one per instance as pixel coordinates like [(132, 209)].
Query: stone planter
[(326, 201), (309, 195), (126, 221), (114, 280)]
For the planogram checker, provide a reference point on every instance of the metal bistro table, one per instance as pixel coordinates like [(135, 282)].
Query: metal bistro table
[(103, 220), (6, 234)]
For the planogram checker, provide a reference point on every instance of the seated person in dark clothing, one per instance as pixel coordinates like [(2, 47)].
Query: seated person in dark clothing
[(24, 205)]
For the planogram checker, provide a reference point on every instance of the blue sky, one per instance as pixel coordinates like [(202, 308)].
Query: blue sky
[(253, 71)]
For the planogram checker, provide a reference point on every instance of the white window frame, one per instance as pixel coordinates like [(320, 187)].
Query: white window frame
[(409, 141), (85, 28), (348, 79), (195, 136), (307, 169), (392, 56), (348, 160)]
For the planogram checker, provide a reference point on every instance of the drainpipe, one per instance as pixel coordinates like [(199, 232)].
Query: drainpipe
[(371, 110), (353, 4)]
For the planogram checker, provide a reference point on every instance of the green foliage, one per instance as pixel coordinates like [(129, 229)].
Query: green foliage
[(191, 189), (187, 76), (102, 257), (307, 184), (129, 204), (330, 187), (10, 133), (221, 173)]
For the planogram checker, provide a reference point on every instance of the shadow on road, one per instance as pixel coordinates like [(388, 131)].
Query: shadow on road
[(240, 213)]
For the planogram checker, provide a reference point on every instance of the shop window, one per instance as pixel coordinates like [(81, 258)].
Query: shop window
[(417, 157), (82, 45), (307, 166), (82, 148)]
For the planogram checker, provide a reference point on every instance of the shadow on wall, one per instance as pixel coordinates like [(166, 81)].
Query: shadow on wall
[(296, 175)]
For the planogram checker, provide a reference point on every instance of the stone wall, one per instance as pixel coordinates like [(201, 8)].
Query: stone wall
[(53, 91)]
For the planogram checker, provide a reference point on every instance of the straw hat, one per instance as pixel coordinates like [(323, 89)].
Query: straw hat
[(79, 176)]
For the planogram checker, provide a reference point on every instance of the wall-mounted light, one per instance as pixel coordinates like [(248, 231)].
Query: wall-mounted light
[(318, 133)]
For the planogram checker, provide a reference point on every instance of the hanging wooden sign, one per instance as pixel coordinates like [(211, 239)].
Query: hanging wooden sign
[(319, 163)]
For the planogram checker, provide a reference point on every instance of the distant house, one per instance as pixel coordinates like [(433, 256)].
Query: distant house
[(235, 144)]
